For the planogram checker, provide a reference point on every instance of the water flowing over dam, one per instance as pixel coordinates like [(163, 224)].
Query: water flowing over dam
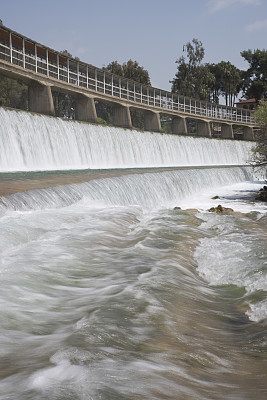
[(116, 282), (35, 142)]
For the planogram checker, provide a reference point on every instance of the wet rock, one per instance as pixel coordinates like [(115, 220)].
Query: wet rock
[(262, 195), (215, 197), (177, 208), (221, 210)]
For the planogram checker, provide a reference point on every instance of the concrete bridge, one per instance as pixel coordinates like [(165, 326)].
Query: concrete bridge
[(44, 70)]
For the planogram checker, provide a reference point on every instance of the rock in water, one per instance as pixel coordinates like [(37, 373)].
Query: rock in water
[(221, 210)]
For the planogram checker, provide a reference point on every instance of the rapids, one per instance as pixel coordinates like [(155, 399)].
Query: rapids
[(107, 291)]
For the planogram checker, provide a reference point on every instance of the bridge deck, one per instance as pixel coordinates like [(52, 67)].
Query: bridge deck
[(35, 58)]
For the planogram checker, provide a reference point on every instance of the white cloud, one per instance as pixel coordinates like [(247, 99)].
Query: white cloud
[(257, 25), (218, 5)]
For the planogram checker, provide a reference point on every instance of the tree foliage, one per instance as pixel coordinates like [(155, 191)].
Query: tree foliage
[(205, 81), (227, 80), (130, 70), (13, 93), (260, 151), (64, 105), (193, 79), (255, 78)]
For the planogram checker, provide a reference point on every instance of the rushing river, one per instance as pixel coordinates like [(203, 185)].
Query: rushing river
[(107, 291)]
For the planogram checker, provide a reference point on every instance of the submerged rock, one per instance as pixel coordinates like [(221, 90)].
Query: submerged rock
[(215, 197), (221, 210), (191, 211), (177, 208)]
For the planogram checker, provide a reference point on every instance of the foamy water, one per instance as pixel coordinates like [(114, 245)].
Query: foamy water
[(107, 292)]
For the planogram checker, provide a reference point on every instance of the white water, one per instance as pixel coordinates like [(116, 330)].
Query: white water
[(154, 190), (108, 293), (35, 142)]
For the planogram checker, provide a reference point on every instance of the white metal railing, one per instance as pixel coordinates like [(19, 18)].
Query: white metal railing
[(87, 76)]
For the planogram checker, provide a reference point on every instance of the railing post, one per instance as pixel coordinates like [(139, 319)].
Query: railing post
[(36, 62), (127, 89), (141, 93), (87, 83), (120, 87), (68, 67), (96, 80), (172, 102), (112, 84), (23, 52), (57, 66), (10, 47), (134, 93), (78, 73), (47, 65), (160, 98), (147, 94), (104, 82), (154, 97)]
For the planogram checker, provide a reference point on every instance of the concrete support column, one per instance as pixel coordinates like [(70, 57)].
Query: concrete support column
[(40, 99), (85, 109), (203, 129), (122, 116), (227, 131), (152, 121), (248, 133), (179, 126)]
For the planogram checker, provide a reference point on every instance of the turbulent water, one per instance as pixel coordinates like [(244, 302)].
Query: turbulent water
[(107, 291)]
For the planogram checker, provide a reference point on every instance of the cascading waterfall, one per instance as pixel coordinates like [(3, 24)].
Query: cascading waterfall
[(148, 189), (31, 142), (108, 290)]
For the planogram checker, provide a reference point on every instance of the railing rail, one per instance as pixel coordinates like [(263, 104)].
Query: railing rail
[(47, 62)]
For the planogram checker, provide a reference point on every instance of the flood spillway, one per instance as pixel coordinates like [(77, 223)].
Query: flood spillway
[(31, 142)]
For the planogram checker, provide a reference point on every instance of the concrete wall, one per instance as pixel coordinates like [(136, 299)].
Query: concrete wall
[(40, 99)]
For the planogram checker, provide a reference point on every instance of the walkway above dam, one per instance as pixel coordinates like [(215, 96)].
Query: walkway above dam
[(45, 69)]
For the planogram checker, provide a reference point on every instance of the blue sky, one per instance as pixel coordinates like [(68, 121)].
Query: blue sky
[(150, 31)]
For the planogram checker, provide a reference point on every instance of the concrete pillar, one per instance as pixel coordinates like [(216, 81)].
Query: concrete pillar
[(248, 133), (203, 128), (179, 126), (85, 109), (152, 121), (227, 131), (40, 99), (122, 116)]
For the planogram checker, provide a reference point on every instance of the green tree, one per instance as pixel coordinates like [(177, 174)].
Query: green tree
[(229, 80), (13, 93), (260, 150), (255, 78), (130, 70), (193, 79), (64, 105), (216, 86)]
